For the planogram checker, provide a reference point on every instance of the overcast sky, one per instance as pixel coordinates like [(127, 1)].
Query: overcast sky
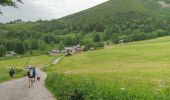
[(45, 9)]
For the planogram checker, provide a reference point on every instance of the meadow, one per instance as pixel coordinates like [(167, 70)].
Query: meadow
[(19, 64), (132, 71)]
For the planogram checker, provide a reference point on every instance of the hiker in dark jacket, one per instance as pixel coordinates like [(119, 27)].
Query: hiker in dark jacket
[(11, 73), (30, 76), (34, 73)]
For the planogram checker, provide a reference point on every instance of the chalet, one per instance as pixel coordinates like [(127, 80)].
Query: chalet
[(64, 52), (54, 52), (121, 41), (83, 48), (70, 49), (74, 49), (92, 48), (10, 53), (78, 48)]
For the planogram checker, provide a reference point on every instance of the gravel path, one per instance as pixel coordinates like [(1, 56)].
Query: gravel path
[(18, 89), (57, 60)]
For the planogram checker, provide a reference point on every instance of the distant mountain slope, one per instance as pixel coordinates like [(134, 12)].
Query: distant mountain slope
[(113, 11)]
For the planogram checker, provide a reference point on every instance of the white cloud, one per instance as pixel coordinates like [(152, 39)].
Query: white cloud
[(46, 9)]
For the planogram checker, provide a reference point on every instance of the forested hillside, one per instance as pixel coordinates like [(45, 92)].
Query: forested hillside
[(112, 21)]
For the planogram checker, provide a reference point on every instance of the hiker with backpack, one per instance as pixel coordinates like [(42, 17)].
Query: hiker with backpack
[(11, 73), (30, 76), (34, 73)]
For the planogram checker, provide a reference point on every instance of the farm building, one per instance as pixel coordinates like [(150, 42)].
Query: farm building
[(74, 49), (54, 52), (10, 53), (121, 41)]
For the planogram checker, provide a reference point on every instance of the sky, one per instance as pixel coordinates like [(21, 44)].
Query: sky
[(45, 9)]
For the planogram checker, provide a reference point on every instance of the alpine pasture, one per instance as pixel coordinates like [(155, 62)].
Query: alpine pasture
[(133, 71)]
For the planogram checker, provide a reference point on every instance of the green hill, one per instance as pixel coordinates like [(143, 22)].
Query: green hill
[(112, 21), (119, 12)]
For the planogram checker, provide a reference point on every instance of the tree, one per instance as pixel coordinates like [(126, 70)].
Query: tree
[(26, 45), (61, 46), (2, 50), (108, 32), (42, 45), (115, 39), (9, 45), (161, 33), (49, 38), (88, 45), (9, 3), (99, 45), (19, 48), (34, 44), (97, 38)]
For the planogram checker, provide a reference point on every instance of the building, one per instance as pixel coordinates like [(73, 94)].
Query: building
[(54, 52), (10, 53), (121, 41), (74, 49), (63, 52)]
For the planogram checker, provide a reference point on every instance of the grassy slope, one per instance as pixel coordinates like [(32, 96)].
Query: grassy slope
[(110, 11), (141, 68), (19, 65), (112, 7), (115, 9)]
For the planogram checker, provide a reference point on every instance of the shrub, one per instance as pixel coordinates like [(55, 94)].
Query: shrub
[(68, 88)]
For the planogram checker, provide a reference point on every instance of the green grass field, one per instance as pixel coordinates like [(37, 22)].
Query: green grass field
[(19, 64), (133, 71)]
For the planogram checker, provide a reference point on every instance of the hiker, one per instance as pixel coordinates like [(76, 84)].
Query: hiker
[(11, 73), (30, 76), (34, 73)]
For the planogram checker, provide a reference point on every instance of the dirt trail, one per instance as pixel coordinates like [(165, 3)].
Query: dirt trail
[(18, 89), (57, 60)]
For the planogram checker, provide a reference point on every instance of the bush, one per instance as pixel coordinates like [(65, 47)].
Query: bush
[(69, 88), (99, 45), (161, 33), (115, 39), (97, 38)]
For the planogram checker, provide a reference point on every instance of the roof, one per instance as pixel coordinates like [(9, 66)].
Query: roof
[(11, 52)]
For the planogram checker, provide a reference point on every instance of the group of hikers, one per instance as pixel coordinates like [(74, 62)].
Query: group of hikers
[(31, 73)]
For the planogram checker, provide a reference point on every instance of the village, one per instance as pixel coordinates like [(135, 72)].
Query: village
[(68, 51)]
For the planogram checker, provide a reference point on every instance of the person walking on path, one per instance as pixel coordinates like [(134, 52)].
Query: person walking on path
[(11, 73), (30, 76), (34, 73)]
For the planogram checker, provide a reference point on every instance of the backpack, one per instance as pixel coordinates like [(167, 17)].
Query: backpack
[(12, 71), (30, 73)]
